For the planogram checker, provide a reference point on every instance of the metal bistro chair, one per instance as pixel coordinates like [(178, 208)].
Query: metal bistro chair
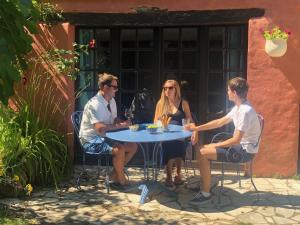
[(76, 120), (225, 135)]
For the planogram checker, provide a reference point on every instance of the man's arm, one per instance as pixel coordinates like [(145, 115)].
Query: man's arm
[(102, 128), (210, 125), (236, 139)]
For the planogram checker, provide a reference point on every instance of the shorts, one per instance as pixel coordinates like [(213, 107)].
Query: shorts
[(99, 145), (235, 154)]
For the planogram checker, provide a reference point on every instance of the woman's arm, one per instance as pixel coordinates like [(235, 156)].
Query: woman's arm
[(186, 109)]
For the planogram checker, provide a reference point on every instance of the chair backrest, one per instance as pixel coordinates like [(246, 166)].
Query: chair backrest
[(262, 124), (76, 120)]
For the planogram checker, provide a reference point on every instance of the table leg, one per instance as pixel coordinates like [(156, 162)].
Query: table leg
[(150, 186)]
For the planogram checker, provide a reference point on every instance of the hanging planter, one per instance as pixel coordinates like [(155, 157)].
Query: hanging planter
[(276, 47), (276, 41)]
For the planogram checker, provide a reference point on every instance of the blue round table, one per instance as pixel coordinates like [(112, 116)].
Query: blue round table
[(143, 136)]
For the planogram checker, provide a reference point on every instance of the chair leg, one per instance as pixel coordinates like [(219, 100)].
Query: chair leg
[(81, 173), (253, 181), (107, 174), (222, 183), (238, 174)]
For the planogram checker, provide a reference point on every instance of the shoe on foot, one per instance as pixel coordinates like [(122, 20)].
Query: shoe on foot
[(200, 199)]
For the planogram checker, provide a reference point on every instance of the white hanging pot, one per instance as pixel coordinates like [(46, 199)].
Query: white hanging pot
[(276, 47)]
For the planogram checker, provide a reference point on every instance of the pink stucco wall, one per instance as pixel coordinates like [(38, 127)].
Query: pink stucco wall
[(274, 82), (60, 36)]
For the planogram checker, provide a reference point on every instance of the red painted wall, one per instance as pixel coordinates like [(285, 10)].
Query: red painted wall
[(274, 82)]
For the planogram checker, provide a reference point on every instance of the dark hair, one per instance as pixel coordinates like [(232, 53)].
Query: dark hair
[(106, 79), (240, 86)]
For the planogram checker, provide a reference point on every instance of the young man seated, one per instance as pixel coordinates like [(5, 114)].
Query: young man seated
[(244, 140), (100, 116)]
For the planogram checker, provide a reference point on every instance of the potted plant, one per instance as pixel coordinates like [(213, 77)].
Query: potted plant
[(276, 41)]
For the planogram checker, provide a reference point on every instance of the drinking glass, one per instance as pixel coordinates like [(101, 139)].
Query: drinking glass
[(128, 114), (185, 121)]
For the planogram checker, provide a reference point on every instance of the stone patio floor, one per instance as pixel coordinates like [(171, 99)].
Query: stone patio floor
[(279, 203)]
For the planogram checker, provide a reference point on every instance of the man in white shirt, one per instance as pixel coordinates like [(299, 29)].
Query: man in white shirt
[(244, 141), (100, 116)]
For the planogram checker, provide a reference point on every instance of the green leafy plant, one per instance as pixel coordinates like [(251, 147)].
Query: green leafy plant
[(38, 155), (49, 13), (17, 19), (276, 33), (64, 61)]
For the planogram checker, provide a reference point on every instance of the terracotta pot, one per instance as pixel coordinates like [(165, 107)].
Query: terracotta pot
[(276, 47)]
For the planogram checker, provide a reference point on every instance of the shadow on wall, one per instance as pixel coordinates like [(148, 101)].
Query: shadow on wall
[(48, 93)]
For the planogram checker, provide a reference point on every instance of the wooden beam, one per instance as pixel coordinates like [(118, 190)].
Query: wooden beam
[(156, 17)]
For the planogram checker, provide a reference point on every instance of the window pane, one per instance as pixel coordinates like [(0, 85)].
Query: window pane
[(145, 60), (190, 82), (128, 60), (145, 37), (193, 102), (103, 38), (216, 60), (86, 62), (85, 36), (103, 58), (234, 37), (216, 37), (189, 60), (216, 104), (170, 75), (145, 80), (235, 74), (171, 60), (234, 59), (86, 81), (171, 37), (126, 99), (83, 99), (215, 82), (189, 37), (128, 38), (128, 80)]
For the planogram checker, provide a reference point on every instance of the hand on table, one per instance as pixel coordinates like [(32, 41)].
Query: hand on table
[(190, 127)]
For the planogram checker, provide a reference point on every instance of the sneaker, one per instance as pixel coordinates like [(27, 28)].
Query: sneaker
[(200, 199)]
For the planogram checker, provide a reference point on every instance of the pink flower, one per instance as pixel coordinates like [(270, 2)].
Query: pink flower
[(92, 43)]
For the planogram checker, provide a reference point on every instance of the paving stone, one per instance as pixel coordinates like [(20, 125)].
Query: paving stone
[(282, 220), (238, 211), (252, 217), (269, 219), (266, 211), (285, 212), (218, 216), (296, 218), (279, 204)]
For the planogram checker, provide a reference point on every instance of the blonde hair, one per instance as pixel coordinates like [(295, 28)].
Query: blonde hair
[(163, 105), (106, 79)]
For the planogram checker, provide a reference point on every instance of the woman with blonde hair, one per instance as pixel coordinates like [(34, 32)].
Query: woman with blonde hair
[(172, 105)]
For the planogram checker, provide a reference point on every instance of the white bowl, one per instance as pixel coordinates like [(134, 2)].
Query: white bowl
[(134, 127)]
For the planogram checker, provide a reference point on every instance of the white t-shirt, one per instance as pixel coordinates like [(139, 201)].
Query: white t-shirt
[(96, 111), (245, 119)]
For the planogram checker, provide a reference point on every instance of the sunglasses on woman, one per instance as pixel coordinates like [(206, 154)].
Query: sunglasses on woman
[(170, 88)]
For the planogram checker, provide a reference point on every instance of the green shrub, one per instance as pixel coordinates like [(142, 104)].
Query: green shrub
[(37, 155)]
